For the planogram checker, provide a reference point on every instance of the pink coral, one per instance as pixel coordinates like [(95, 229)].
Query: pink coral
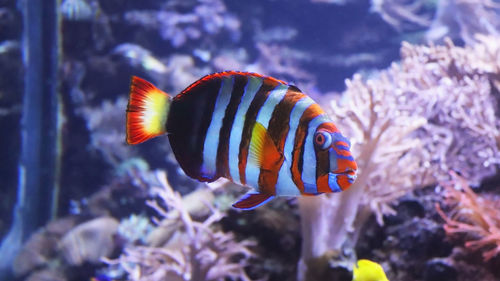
[(475, 215)]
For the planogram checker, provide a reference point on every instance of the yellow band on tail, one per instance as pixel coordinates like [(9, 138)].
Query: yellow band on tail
[(147, 111)]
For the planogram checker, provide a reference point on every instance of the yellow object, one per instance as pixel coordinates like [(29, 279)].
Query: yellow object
[(367, 270)]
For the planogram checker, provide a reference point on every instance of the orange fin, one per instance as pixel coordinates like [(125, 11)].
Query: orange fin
[(252, 200), (263, 151), (147, 111)]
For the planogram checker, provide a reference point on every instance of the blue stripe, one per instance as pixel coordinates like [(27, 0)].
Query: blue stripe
[(339, 137), (309, 167), (285, 185), (275, 96), (333, 159), (295, 115), (350, 158), (212, 137), (332, 182), (253, 85)]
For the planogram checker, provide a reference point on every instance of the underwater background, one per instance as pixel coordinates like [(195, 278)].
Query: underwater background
[(414, 85)]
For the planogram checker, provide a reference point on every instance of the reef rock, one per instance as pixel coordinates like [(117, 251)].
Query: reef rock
[(41, 247), (89, 241)]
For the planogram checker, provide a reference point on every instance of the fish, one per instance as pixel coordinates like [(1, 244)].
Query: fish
[(367, 270), (254, 130)]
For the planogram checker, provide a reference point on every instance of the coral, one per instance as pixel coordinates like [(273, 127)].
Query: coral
[(433, 112), (475, 215), (204, 17), (196, 251), (140, 57), (134, 228), (106, 122), (464, 19), (404, 15)]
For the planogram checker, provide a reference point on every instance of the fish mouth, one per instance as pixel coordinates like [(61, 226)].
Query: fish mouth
[(341, 181), (351, 175)]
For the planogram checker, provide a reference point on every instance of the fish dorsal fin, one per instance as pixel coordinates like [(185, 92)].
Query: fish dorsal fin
[(252, 200), (263, 152)]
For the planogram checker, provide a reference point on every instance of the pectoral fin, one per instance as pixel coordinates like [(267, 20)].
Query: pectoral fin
[(263, 151), (252, 200)]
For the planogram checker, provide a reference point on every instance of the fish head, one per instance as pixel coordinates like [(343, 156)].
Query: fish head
[(336, 168)]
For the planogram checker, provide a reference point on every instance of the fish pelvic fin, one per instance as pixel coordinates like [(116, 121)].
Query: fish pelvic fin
[(252, 200), (147, 111)]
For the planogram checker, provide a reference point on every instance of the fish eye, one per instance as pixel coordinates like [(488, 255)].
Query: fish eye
[(323, 140)]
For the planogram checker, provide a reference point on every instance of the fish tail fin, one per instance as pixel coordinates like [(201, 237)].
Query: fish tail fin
[(147, 111)]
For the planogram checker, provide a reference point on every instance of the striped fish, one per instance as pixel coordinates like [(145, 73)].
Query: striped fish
[(254, 130)]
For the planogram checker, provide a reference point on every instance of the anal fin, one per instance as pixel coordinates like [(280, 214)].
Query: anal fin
[(252, 200)]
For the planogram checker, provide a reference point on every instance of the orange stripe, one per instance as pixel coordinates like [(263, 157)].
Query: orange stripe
[(277, 131), (298, 148), (343, 182), (342, 152), (322, 183), (250, 118), (329, 126)]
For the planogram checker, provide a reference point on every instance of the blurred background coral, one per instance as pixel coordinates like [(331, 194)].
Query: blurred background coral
[(414, 84)]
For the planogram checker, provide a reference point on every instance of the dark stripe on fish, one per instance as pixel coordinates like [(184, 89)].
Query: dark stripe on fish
[(300, 138), (250, 118), (188, 122), (227, 124), (279, 124)]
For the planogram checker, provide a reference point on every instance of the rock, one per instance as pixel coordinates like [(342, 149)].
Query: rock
[(89, 241), (34, 254), (407, 209), (438, 269), (46, 275), (421, 238), (41, 247)]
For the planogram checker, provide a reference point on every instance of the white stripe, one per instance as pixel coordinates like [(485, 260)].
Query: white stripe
[(275, 96), (309, 166), (253, 85), (212, 137), (285, 185)]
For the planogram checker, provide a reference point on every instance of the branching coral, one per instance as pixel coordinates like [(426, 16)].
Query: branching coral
[(197, 251), (476, 216), (202, 17), (403, 15), (463, 19), (409, 126)]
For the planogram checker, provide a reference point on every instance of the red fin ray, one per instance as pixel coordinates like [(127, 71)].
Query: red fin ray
[(252, 200)]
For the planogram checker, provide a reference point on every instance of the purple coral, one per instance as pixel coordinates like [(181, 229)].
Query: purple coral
[(207, 17)]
